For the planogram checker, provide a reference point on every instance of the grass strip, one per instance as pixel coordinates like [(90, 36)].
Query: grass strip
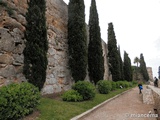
[(51, 109)]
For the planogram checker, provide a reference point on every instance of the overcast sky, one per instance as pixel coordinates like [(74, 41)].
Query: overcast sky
[(136, 25)]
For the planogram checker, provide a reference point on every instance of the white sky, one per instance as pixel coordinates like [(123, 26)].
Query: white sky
[(136, 25)]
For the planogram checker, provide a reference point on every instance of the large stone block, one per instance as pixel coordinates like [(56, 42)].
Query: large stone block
[(48, 89), (8, 72), (6, 59), (6, 40)]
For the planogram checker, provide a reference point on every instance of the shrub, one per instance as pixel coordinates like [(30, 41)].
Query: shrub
[(86, 89), (72, 95), (113, 85), (119, 83), (18, 100), (104, 86), (134, 82), (130, 84), (125, 84)]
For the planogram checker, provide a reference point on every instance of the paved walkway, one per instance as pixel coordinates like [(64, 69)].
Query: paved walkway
[(128, 106)]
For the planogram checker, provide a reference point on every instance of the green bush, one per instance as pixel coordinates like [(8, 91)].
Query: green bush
[(86, 89), (18, 100), (104, 86), (134, 82), (113, 85), (120, 83), (72, 95), (125, 84)]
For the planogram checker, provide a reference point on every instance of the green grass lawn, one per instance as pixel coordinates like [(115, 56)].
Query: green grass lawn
[(51, 109)]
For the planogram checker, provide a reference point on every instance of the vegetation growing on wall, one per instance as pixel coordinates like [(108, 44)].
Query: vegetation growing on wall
[(77, 38), (95, 54), (35, 52)]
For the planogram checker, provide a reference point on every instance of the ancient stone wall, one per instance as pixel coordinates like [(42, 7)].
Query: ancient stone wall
[(12, 27), (150, 73)]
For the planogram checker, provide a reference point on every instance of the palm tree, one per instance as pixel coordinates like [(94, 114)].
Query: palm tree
[(136, 61)]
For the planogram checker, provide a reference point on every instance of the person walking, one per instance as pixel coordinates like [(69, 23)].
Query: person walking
[(140, 88)]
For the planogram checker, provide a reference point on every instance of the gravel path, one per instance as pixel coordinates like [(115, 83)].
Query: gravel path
[(128, 106)]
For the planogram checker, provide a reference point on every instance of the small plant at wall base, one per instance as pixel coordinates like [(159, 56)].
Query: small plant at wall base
[(35, 52), (72, 95), (104, 86), (86, 89)]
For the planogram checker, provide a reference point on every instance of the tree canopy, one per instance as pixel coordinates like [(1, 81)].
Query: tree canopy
[(143, 68), (95, 53), (77, 39), (35, 52), (127, 67), (113, 58)]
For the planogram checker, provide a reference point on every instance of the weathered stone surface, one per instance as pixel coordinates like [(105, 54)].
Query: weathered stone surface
[(12, 23), (6, 41), (47, 89), (8, 72), (18, 59), (148, 97), (6, 59), (156, 97)]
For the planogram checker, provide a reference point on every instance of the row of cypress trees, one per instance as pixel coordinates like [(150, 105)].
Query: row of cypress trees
[(35, 52), (120, 70), (79, 55)]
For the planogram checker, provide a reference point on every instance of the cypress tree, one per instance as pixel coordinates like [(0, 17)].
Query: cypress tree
[(114, 65), (35, 52), (77, 39), (95, 54), (143, 68), (121, 64), (127, 67)]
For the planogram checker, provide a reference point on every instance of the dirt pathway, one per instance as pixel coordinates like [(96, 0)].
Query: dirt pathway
[(128, 106)]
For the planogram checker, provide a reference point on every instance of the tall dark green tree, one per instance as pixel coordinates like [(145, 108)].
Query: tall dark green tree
[(143, 68), (95, 54), (114, 64), (35, 52), (121, 64), (127, 67), (77, 39)]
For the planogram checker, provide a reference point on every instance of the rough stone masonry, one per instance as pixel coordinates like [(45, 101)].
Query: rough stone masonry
[(12, 27)]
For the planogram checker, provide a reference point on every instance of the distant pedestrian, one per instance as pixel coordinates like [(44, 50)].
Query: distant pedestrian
[(155, 82), (140, 88)]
